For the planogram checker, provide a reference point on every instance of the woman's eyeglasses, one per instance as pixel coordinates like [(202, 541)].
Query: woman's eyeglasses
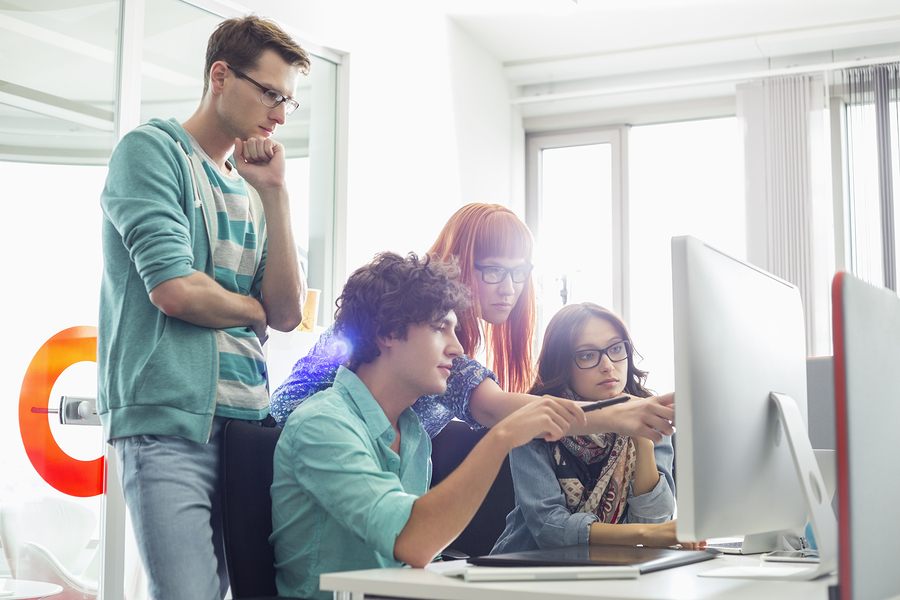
[(492, 274), (590, 358)]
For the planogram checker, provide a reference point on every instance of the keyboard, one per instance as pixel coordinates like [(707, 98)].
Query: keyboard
[(726, 547)]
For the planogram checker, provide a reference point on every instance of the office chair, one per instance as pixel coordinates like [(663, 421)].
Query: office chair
[(247, 455), (448, 449)]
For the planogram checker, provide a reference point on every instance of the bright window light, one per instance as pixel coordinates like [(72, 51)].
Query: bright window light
[(575, 239), (684, 179)]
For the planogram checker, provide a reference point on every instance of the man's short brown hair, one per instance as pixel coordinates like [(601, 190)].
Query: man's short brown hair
[(392, 292), (242, 40)]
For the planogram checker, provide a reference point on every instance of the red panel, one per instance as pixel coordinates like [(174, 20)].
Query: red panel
[(68, 475), (840, 422)]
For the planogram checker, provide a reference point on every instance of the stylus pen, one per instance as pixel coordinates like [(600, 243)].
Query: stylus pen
[(604, 403)]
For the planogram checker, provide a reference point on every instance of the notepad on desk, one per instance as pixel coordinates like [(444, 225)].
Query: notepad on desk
[(646, 560), (471, 573)]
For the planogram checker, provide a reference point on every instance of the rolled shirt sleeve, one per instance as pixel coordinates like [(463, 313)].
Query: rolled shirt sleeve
[(436, 411), (311, 374)]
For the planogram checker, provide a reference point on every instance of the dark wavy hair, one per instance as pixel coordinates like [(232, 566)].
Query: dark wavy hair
[(555, 361), (242, 40), (387, 295)]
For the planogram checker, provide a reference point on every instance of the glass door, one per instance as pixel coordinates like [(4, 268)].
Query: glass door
[(62, 106)]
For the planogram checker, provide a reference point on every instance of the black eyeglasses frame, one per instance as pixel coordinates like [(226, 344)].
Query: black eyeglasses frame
[(528, 268), (290, 105), (603, 352)]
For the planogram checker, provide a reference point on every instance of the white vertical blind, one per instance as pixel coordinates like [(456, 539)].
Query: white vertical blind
[(873, 131), (788, 204)]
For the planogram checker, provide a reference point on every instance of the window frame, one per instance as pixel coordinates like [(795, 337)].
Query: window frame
[(617, 137)]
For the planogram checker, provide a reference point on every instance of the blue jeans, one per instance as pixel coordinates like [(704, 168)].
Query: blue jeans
[(173, 492)]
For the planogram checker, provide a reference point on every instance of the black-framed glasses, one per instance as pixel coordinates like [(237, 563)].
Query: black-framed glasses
[(269, 97), (492, 274), (591, 357)]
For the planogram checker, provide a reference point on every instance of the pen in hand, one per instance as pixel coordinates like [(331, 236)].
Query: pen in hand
[(604, 403)]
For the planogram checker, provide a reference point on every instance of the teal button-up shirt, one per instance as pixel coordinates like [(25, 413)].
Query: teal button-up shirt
[(340, 495)]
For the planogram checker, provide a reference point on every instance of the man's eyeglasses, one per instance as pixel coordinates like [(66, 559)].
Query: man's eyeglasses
[(590, 358), (270, 98), (493, 274)]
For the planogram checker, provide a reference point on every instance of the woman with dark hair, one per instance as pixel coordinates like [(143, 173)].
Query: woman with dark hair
[(493, 249), (590, 489)]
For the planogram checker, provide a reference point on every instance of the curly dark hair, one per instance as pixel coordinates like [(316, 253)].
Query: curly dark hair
[(387, 295), (555, 360)]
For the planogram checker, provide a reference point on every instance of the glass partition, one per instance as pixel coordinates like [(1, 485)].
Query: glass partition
[(57, 95), (56, 134), (57, 131)]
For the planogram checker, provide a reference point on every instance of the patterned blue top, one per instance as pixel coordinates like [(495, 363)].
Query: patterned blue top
[(315, 372)]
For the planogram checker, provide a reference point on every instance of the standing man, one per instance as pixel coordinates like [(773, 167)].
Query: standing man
[(199, 259), (353, 465)]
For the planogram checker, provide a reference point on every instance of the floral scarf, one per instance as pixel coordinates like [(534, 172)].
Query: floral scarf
[(594, 472)]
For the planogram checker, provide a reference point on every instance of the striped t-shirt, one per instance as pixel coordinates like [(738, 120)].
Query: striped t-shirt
[(242, 390)]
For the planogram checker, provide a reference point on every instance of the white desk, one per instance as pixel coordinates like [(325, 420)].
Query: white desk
[(679, 583), (21, 589)]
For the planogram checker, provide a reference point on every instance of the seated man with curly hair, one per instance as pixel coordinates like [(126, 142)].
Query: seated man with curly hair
[(353, 465)]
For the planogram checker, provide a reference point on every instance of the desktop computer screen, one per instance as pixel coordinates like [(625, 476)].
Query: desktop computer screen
[(739, 335), (866, 329)]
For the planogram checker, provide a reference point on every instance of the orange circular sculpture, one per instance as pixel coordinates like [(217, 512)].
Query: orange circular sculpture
[(68, 475)]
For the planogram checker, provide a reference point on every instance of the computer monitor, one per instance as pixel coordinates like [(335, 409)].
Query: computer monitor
[(866, 329), (740, 337)]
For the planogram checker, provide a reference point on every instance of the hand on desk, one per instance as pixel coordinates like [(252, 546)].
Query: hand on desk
[(664, 535), (652, 535)]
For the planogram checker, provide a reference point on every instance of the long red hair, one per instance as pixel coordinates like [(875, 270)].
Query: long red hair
[(476, 232)]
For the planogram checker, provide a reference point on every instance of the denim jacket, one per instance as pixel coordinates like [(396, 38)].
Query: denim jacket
[(541, 519)]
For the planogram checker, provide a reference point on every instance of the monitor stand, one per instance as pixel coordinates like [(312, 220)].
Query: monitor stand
[(758, 543), (818, 503)]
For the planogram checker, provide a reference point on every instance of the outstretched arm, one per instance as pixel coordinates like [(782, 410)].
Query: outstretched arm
[(441, 514), (658, 535), (649, 418)]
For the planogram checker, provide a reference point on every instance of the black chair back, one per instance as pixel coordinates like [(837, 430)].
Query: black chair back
[(449, 448), (247, 454)]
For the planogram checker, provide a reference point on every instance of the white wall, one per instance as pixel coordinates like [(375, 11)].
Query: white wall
[(430, 124), (490, 138)]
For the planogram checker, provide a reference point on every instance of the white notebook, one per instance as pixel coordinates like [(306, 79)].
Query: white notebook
[(475, 573)]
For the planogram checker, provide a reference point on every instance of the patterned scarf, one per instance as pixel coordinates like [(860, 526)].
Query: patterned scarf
[(594, 472)]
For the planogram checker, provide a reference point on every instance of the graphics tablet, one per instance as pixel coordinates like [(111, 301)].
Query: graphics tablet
[(646, 560)]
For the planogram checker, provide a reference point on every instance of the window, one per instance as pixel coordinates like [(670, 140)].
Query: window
[(599, 244), (577, 259), (685, 179), (872, 117)]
